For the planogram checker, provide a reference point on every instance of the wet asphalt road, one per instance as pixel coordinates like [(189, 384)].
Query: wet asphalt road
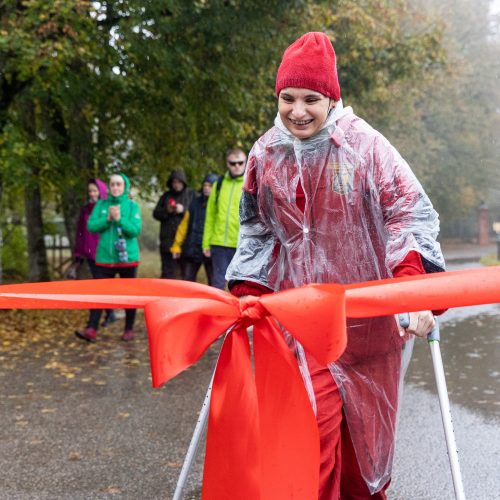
[(105, 433)]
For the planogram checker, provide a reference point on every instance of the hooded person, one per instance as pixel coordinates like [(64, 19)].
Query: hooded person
[(169, 211), (85, 241), (327, 199), (117, 220), (189, 235)]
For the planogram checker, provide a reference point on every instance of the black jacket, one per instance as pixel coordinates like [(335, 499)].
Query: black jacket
[(191, 248), (170, 220)]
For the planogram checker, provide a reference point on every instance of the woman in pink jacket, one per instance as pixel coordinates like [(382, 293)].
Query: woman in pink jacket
[(327, 199), (85, 241)]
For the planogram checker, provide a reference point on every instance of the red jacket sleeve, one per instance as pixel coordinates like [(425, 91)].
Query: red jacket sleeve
[(241, 288), (412, 266)]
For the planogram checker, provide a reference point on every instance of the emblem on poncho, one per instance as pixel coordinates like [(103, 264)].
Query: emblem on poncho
[(343, 177)]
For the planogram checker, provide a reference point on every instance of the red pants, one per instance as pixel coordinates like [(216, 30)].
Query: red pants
[(339, 476)]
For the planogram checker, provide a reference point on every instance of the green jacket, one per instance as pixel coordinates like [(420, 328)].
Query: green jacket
[(130, 223), (222, 221)]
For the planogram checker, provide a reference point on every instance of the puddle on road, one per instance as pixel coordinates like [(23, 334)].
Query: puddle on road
[(470, 347)]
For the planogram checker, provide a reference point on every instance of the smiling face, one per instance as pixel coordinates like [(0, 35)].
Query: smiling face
[(303, 111), (116, 185)]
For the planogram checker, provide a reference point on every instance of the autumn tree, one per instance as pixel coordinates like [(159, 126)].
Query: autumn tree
[(447, 125), (152, 86)]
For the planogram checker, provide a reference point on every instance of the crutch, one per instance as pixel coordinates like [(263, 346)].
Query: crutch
[(433, 339), (195, 440), (193, 445)]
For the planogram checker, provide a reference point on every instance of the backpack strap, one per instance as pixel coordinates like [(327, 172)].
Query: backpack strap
[(218, 187), (341, 126)]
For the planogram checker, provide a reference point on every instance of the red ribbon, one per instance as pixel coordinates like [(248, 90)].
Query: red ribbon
[(262, 440)]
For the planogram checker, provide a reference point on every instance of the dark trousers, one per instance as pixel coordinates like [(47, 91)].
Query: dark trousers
[(191, 268), (221, 257), (171, 268), (93, 270), (103, 272)]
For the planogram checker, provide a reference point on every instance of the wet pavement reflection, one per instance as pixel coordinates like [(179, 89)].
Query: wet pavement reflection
[(470, 347)]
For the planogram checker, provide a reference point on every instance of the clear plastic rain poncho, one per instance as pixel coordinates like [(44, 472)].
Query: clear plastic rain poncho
[(364, 211)]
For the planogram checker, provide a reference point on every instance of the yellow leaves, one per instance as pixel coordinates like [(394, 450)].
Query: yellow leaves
[(21, 421), (132, 362), (111, 490), (63, 369), (40, 345), (174, 465), (74, 456)]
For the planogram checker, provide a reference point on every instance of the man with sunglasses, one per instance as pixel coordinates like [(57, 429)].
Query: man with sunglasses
[(222, 224)]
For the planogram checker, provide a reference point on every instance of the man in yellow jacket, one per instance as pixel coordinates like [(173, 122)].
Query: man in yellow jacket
[(222, 224)]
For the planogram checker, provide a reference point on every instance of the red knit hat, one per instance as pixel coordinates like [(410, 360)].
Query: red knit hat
[(309, 63)]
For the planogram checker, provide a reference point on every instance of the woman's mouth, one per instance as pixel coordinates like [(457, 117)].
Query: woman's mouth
[(301, 123)]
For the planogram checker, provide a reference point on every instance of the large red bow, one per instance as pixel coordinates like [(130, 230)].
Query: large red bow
[(262, 441)]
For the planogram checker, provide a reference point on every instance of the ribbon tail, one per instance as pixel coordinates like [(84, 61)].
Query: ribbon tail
[(232, 462), (289, 435)]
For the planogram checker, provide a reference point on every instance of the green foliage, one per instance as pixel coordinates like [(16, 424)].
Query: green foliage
[(202, 79), (170, 84), (90, 87), (379, 43), (148, 238), (447, 126), (13, 253), (490, 260)]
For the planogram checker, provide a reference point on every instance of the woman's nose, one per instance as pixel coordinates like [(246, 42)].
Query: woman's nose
[(299, 109)]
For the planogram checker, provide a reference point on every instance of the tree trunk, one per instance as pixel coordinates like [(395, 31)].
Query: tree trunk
[(70, 205), (79, 147), (1, 228), (38, 269)]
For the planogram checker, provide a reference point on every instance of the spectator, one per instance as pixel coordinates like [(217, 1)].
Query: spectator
[(327, 199), (189, 235), (85, 241), (220, 236), (169, 211), (118, 222)]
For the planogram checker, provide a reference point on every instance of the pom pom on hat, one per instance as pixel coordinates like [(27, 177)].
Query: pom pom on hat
[(310, 63)]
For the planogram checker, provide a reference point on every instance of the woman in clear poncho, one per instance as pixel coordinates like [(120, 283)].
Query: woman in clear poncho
[(327, 199)]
